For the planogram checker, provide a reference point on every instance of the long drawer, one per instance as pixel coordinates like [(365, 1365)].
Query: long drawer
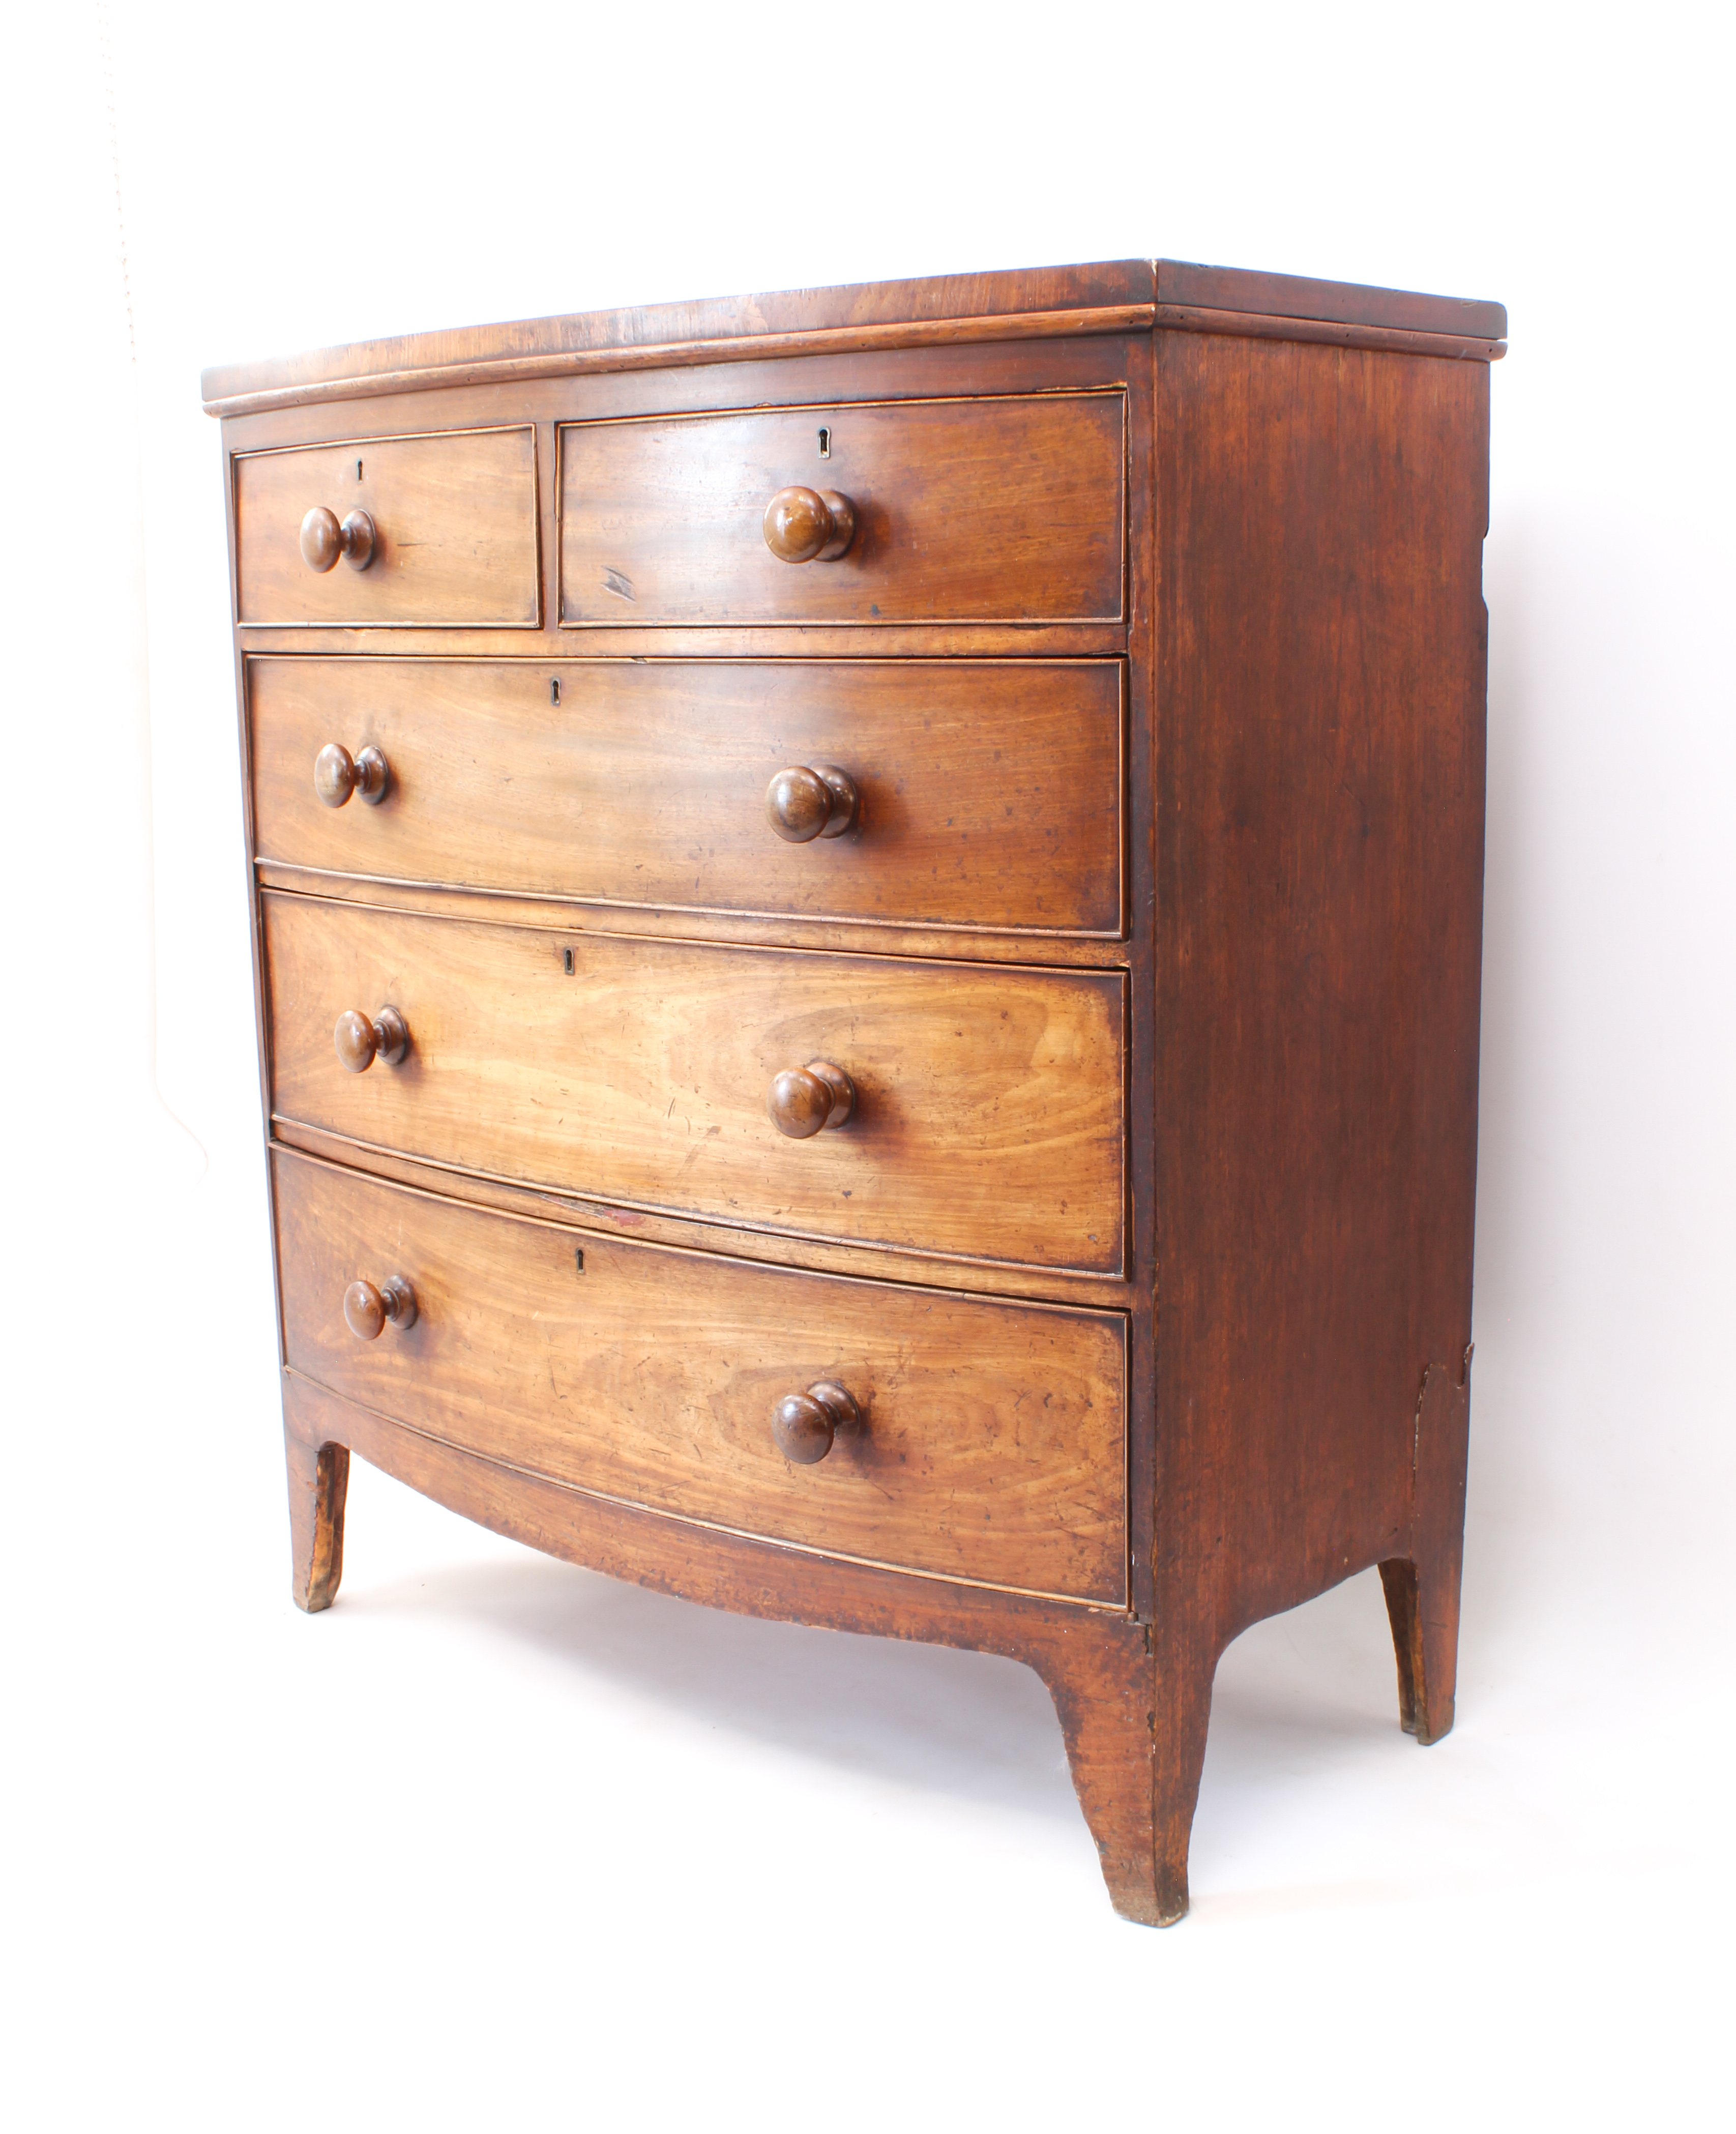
[(453, 525), (1007, 509), (989, 1122), (990, 1443), (988, 792)]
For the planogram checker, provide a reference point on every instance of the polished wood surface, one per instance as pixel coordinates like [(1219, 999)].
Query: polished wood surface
[(989, 1121), (452, 531), (337, 774), (803, 1100), (367, 1310), (1108, 1673), (652, 1377), (809, 525), (1324, 1010), (807, 1425), (1108, 813), (359, 1040), (324, 537), (697, 1233), (801, 804), (1022, 305), (966, 510), (989, 793), (1236, 290)]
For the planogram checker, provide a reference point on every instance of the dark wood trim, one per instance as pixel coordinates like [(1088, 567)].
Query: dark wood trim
[(942, 370), (859, 938), (650, 331), (513, 371), (972, 641), (693, 1235), (1181, 281), (1117, 296), (1396, 340)]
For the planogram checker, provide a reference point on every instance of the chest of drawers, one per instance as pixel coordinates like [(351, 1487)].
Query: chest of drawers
[(867, 909)]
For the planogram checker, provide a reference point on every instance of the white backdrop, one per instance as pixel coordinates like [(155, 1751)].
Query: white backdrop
[(496, 1842)]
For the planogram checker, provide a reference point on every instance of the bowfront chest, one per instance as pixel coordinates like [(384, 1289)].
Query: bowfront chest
[(867, 909)]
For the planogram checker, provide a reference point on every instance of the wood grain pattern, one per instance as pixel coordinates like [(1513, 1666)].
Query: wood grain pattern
[(517, 372), (1299, 297), (1112, 1677), (970, 510), (989, 1123), (455, 531), (319, 1482), (1286, 991), (989, 793), (555, 914), (1023, 304), (1320, 798), (769, 1247), (694, 332), (991, 1446), (1262, 325), (804, 525)]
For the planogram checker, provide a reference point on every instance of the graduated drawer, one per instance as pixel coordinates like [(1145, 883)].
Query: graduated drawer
[(989, 1123), (454, 526), (1008, 509), (991, 1440), (989, 793)]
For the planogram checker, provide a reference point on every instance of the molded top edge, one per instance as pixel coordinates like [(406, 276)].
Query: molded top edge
[(1131, 294)]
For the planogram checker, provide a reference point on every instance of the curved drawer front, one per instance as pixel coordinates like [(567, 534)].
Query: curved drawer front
[(991, 1445), (991, 511), (989, 793), (453, 527), (989, 1121)]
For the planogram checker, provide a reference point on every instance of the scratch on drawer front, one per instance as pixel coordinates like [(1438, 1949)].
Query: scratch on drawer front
[(616, 582)]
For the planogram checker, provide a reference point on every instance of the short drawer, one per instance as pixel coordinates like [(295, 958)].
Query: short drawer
[(993, 510), (454, 534), (988, 793), (989, 1121), (990, 1439)]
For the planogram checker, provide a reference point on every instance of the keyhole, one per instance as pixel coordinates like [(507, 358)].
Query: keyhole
[(825, 447), (358, 469), (554, 689), (568, 957)]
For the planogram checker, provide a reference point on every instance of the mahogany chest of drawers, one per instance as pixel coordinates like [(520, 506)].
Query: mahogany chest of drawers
[(867, 909)]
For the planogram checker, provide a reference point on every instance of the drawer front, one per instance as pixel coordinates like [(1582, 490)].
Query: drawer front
[(455, 531), (995, 510), (991, 1444), (989, 1121), (989, 793)]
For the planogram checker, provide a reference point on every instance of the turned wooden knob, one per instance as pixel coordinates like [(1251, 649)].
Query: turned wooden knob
[(805, 1424), (366, 1309), (337, 774), (803, 804), (360, 1042), (808, 525), (804, 1099), (324, 539)]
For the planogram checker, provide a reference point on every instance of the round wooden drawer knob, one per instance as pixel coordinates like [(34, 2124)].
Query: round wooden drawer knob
[(806, 1424), (804, 1099), (337, 774), (366, 1309), (806, 525), (803, 804), (324, 539), (360, 1042)]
